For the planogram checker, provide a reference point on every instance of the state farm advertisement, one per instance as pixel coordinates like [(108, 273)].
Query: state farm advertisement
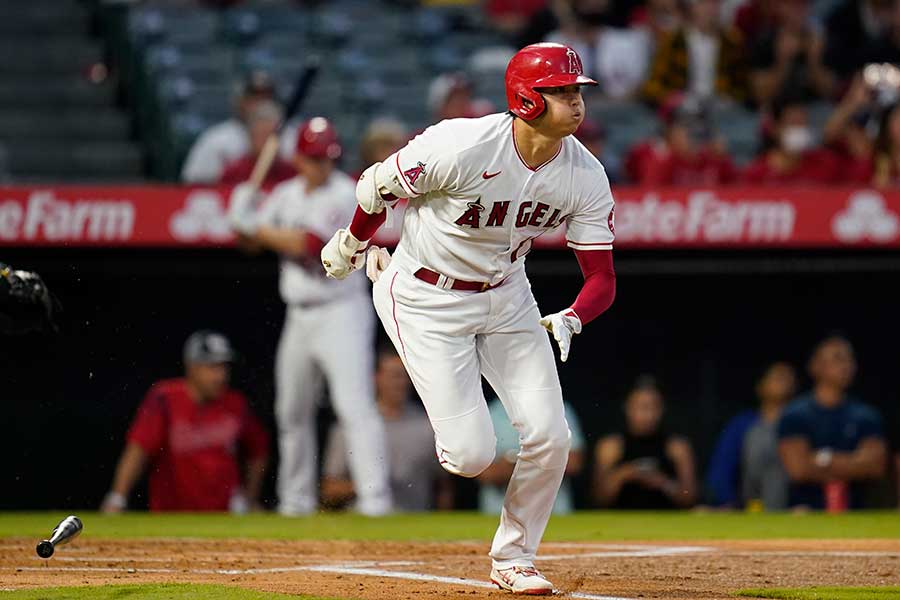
[(734, 217)]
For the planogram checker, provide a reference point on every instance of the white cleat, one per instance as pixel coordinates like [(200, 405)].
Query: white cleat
[(522, 580)]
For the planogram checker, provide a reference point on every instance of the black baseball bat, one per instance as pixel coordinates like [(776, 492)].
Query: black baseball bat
[(299, 93), (67, 530)]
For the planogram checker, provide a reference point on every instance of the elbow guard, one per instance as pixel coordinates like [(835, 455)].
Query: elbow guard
[(377, 185)]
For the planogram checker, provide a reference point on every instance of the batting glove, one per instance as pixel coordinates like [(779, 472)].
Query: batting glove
[(343, 254), (242, 208), (563, 325), (377, 260)]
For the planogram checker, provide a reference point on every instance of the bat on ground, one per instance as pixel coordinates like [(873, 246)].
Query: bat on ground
[(67, 530)]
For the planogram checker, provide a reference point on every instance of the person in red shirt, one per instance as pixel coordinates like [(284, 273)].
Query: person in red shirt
[(688, 153), (793, 158), (190, 432), (262, 122)]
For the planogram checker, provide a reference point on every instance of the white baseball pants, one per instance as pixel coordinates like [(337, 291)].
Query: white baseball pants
[(448, 340), (332, 342)]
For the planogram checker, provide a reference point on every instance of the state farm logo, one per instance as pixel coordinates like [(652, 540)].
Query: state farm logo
[(704, 217), (44, 216), (866, 218), (203, 217)]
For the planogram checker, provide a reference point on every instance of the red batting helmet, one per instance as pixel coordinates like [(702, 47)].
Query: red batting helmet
[(317, 138), (540, 66)]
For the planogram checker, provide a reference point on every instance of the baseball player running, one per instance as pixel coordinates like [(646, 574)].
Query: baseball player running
[(455, 299), (328, 328)]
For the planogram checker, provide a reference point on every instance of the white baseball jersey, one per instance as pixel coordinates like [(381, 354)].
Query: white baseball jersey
[(320, 213), (475, 205)]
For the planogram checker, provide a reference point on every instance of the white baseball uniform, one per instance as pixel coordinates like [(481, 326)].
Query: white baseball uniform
[(327, 332), (475, 207)]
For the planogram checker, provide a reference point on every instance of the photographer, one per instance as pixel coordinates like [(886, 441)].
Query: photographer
[(859, 129)]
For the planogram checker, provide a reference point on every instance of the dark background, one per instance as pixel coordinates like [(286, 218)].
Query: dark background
[(704, 323)]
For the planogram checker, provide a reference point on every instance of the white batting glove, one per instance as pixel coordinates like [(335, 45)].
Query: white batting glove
[(563, 325), (343, 254), (377, 260), (242, 208)]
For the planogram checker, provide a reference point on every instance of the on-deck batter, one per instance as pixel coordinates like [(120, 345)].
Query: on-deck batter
[(455, 299), (328, 328)]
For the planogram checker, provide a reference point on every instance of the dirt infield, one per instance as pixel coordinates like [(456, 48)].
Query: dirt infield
[(425, 571)]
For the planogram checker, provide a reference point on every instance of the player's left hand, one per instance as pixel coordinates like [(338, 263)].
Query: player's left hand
[(343, 254), (563, 325), (377, 260)]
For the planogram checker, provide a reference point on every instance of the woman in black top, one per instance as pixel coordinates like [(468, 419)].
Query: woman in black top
[(644, 467)]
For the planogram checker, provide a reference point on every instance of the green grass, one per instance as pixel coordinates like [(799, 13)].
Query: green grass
[(584, 526), (153, 591), (826, 593)]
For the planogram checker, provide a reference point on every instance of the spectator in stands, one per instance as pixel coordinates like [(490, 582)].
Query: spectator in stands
[(660, 18), (688, 153), (417, 480), (887, 150), (744, 452), (792, 158), (788, 59), (830, 442), (765, 482), (593, 136), (702, 59), (852, 27), (512, 17), (450, 97), (187, 431), (754, 17), (617, 58), (262, 122), (847, 130), (644, 467), (229, 140), (494, 479), (382, 137)]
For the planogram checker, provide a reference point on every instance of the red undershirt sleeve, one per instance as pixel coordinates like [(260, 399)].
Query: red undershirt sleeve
[(364, 225), (599, 289)]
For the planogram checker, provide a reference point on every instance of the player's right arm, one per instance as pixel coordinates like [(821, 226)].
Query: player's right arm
[(425, 164)]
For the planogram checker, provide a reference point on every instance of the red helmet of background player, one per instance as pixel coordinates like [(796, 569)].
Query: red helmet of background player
[(540, 66), (317, 138)]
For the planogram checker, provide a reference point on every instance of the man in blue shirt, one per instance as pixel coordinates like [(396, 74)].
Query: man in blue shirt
[(825, 436)]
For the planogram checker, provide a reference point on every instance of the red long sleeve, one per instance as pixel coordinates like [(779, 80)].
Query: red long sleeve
[(599, 289), (364, 225)]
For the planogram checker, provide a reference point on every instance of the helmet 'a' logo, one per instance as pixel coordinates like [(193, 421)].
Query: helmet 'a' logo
[(575, 67), (412, 174)]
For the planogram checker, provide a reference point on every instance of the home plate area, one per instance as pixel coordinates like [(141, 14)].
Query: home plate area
[(394, 570)]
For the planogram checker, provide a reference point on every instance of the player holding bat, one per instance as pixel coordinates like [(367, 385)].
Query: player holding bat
[(328, 328)]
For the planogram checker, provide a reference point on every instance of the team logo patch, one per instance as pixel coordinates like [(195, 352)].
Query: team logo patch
[(575, 67), (412, 174), (611, 220)]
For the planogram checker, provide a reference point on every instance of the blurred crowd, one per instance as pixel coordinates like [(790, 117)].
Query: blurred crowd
[(821, 448), (686, 60)]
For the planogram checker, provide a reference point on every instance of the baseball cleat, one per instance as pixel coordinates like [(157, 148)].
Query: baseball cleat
[(522, 580)]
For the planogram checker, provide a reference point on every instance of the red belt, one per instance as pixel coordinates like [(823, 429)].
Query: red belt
[(429, 276)]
